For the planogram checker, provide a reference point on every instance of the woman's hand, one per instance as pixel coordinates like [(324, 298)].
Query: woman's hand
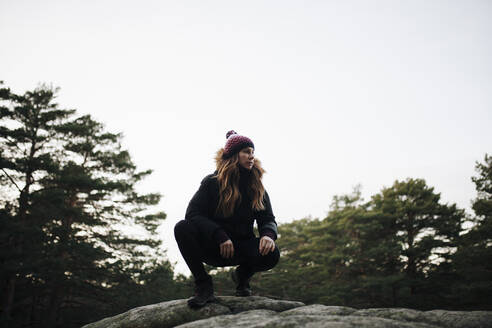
[(227, 249), (266, 245)]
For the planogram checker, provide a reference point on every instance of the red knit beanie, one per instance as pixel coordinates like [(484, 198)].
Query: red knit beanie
[(235, 143)]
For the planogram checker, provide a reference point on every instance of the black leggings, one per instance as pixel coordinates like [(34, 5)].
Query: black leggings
[(196, 249)]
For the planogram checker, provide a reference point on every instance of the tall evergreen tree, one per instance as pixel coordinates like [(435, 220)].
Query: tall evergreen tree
[(76, 229), (94, 195), (473, 260), (426, 230), (26, 132)]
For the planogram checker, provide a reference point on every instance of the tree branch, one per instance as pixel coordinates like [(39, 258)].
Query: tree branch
[(12, 180)]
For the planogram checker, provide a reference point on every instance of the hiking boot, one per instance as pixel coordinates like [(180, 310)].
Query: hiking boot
[(204, 293), (242, 284)]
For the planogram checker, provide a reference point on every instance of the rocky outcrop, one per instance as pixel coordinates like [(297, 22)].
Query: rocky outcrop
[(256, 311)]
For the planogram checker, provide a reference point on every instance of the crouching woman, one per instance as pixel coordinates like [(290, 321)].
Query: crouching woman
[(218, 226)]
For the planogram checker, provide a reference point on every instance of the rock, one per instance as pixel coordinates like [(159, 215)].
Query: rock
[(165, 314), (266, 318), (173, 313), (440, 318), (256, 311), (457, 319), (319, 309), (252, 318), (241, 304)]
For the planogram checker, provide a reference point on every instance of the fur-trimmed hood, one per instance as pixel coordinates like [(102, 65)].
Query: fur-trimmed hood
[(219, 160)]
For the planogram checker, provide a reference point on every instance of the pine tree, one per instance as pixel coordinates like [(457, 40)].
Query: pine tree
[(28, 123), (473, 260), (426, 231), (95, 187), (76, 229)]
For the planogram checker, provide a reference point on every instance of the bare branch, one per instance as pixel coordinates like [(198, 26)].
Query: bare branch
[(12, 180)]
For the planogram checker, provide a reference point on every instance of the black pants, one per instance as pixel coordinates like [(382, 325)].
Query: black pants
[(197, 249)]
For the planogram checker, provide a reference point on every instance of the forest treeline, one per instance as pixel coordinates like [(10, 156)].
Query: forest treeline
[(79, 243)]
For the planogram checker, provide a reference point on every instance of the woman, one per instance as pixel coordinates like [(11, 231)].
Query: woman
[(218, 226)]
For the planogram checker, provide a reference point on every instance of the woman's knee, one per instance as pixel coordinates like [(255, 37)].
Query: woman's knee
[(270, 260), (183, 228)]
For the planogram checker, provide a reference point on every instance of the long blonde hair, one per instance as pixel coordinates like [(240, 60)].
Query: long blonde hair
[(228, 178)]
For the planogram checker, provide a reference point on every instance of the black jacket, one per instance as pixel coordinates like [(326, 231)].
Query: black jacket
[(201, 210)]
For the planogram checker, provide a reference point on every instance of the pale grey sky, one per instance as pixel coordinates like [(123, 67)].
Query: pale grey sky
[(333, 93)]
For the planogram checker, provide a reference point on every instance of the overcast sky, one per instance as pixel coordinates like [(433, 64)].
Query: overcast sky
[(332, 93)]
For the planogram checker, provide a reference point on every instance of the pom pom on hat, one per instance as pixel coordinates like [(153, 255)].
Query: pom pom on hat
[(230, 133), (235, 143)]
